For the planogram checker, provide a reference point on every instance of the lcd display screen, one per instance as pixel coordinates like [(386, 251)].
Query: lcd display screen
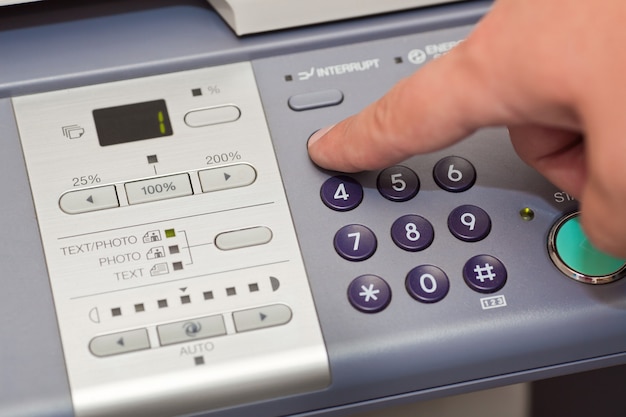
[(132, 122)]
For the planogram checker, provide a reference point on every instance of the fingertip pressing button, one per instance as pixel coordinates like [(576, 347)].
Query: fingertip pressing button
[(573, 254)]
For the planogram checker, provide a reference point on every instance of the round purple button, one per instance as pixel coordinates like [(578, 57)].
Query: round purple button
[(484, 273), (469, 223), (398, 183), (412, 233), (427, 283), (355, 242), (369, 293), (454, 174), (341, 193)]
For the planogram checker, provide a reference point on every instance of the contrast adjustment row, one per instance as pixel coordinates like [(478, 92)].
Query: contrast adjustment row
[(157, 188), (427, 283), (190, 330)]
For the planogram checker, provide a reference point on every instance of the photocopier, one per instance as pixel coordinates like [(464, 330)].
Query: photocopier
[(169, 249)]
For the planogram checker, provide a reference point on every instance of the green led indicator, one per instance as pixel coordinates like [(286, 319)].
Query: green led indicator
[(132, 122), (162, 123), (170, 233)]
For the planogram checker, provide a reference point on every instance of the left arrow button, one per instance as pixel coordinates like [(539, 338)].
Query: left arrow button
[(117, 343), (89, 199)]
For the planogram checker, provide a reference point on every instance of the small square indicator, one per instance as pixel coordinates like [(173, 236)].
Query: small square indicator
[(196, 92), (185, 299), (288, 78), (398, 60), (208, 295), (162, 303), (198, 360), (139, 308), (170, 233), (116, 311), (177, 266), (152, 159), (174, 250), (253, 287), (231, 291)]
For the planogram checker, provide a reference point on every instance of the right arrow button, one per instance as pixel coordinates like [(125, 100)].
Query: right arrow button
[(262, 317)]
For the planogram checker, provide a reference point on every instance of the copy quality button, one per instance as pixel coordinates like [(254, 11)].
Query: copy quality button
[(193, 329), (573, 254)]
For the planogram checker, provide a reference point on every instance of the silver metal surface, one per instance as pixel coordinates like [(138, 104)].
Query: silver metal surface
[(148, 265)]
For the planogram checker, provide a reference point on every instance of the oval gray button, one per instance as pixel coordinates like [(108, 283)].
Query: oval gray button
[(212, 116), (315, 100), (243, 238)]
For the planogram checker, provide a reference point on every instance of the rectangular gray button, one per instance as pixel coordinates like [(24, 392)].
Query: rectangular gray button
[(122, 342), (262, 317), (192, 329), (160, 188)]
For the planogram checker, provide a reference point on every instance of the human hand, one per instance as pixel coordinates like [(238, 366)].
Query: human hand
[(553, 71)]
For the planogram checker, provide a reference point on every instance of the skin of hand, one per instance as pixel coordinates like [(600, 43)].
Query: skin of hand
[(552, 71)]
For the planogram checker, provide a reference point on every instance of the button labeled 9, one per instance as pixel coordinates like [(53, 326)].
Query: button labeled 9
[(469, 223)]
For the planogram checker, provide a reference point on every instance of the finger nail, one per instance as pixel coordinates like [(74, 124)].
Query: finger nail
[(318, 135)]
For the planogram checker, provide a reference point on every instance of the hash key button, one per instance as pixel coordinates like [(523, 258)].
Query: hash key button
[(262, 317), (484, 274)]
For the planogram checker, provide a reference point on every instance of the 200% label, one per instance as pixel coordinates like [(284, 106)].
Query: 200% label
[(223, 157)]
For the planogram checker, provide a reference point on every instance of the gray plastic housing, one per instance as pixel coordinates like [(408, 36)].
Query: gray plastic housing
[(410, 351)]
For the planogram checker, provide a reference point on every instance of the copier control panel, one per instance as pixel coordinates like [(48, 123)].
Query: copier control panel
[(199, 262)]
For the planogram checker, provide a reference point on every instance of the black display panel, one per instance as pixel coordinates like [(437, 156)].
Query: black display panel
[(132, 122)]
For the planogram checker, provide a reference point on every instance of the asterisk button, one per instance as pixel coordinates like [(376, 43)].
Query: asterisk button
[(369, 293)]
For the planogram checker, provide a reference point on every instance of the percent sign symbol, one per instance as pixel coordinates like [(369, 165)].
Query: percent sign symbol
[(234, 156), (214, 89), (169, 186), (94, 179)]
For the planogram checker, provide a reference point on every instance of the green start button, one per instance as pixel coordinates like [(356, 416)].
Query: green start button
[(573, 254)]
